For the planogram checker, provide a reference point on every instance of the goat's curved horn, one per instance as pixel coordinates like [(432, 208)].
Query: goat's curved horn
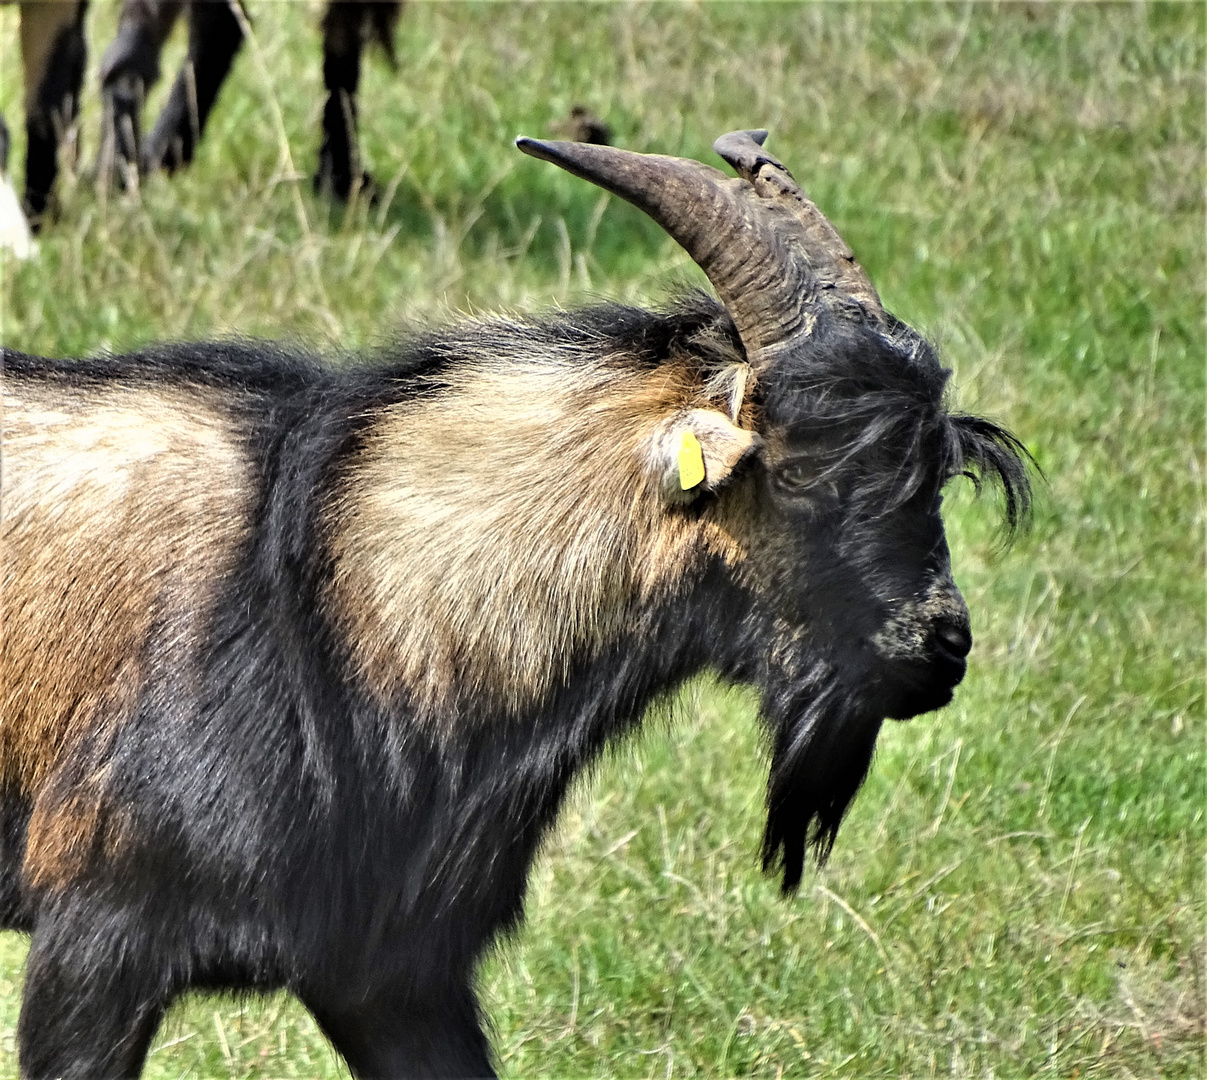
[(768, 251), (831, 260)]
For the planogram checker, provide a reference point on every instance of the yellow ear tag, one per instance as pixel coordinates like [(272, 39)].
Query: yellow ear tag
[(691, 460)]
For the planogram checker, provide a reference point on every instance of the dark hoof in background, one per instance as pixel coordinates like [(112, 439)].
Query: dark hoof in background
[(340, 184), (118, 161), (167, 151)]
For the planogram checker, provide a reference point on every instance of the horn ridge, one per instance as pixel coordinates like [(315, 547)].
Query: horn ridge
[(769, 252), (831, 257)]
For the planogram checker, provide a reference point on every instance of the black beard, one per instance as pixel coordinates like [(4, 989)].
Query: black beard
[(824, 737)]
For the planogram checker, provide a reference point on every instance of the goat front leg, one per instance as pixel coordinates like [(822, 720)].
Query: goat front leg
[(92, 1002), (215, 34), (129, 68), (437, 1034), (339, 167), (53, 54)]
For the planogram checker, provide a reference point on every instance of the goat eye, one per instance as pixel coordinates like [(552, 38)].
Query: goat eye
[(796, 475)]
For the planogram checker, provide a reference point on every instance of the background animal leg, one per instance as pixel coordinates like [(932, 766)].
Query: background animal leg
[(129, 68), (85, 1013), (396, 1037), (214, 38), (339, 168), (53, 54)]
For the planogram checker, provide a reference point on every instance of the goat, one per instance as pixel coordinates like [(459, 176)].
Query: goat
[(53, 55), (130, 67), (300, 660)]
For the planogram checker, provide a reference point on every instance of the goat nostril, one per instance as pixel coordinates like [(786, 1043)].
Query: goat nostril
[(955, 638)]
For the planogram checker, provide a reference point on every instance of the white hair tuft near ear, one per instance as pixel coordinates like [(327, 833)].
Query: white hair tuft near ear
[(741, 375), (729, 385), (696, 451)]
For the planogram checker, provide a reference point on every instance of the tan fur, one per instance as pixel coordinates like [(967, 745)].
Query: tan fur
[(41, 24), (118, 507), (488, 536)]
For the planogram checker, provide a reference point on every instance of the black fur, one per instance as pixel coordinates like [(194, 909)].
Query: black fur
[(346, 26), (867, 410), (292, 832), (214, 38), (52, 112)]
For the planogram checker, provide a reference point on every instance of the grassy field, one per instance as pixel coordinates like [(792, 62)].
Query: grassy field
[(1019, 890)]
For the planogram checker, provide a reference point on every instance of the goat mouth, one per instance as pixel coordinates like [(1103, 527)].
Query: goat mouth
[(913, 688), (915, 704)]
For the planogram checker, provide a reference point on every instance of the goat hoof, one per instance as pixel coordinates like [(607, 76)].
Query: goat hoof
[(342, 185)]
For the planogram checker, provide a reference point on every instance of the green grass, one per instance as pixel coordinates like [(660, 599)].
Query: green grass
[(1019, 890)]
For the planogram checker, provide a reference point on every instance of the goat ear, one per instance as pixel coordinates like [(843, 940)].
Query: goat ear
[(696, 451)]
